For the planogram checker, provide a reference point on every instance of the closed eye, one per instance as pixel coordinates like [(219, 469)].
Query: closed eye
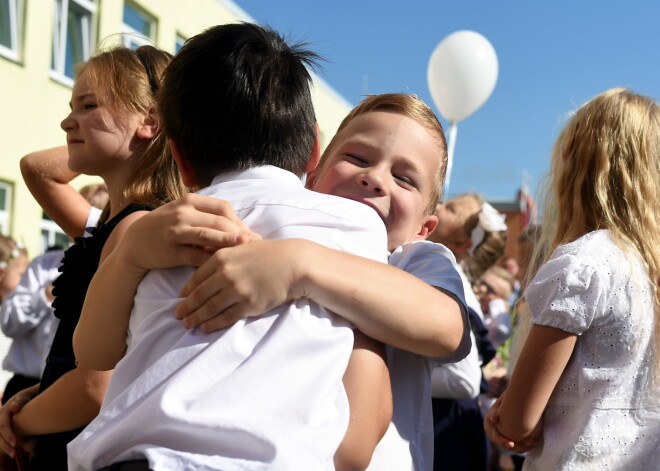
[(357, 159), (405, 181)]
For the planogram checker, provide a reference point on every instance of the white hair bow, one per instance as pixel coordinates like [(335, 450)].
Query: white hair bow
[(489, 220)]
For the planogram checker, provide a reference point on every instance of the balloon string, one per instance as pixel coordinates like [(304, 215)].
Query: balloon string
[(451, 144)]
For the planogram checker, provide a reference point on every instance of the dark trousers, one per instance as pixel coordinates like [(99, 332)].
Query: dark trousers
[(460, 440)]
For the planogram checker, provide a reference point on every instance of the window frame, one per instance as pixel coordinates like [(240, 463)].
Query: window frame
[(5, 213), (49, 233), (179, 42), (60, 35), (13, 51), (132, 38)]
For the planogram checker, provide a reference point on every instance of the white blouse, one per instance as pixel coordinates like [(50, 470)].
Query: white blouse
[(604, 412)]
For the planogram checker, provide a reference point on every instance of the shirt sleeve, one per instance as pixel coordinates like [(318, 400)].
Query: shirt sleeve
[(435, 264), (566, 293), (25, 307), (460, 380), (92, 218)]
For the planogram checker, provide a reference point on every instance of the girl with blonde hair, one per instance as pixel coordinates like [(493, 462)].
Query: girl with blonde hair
[(112, 131), (475, 232), (584, 392)]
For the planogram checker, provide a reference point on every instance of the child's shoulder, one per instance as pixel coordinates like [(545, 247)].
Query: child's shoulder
[(594, 249), (431, 262), (420, 249)]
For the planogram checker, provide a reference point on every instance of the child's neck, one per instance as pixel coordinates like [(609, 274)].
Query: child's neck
[(116, 183)]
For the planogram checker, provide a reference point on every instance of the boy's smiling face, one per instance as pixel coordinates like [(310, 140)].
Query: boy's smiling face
[(388, 162)]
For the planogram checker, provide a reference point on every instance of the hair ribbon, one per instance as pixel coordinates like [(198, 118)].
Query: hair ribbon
[(489, 220)]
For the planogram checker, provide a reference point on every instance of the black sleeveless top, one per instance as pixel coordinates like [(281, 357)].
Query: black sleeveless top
[(78, 267)]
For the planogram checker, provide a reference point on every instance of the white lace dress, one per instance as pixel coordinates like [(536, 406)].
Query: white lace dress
[(604, 413)]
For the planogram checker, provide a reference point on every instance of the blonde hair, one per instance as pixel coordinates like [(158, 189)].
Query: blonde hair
[(411, 107), (484, 255), (608, 155), (96, 194), (127, 82), (9, 250), (503, 274)]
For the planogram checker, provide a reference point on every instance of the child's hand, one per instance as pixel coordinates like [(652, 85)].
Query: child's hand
[(184, 232), (239, 282), (9, 441), (490, 426), (11, 275)]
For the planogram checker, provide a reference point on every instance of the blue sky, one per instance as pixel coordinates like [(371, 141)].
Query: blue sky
[(553, 56)]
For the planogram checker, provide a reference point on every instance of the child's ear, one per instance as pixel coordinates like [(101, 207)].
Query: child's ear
[(185, 167), (429, 223), (461, 246), (148, 128), (311, 179), (316, 152)]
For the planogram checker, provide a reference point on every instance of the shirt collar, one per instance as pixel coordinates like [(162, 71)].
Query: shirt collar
[(257, 173)]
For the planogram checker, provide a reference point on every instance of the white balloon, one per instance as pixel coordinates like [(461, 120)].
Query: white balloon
[(462, 74)]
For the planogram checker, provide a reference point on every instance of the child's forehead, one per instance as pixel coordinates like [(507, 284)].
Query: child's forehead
[(465, 204), (376, 125), (384, 117)]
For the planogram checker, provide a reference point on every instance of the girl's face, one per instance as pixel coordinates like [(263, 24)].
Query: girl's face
[(451, 221), (97, 138)]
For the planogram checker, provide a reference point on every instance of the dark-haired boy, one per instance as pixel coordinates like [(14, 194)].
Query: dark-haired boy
[(266, 393)]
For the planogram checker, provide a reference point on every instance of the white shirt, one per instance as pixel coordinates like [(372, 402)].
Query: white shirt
[(408, 442), (460, 380), (498, 321), (604, 412), (27, 316), (92, 218), (266, 393), (470, 297)]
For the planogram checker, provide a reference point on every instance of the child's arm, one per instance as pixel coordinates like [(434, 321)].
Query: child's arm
[(47, 176), (367, 383), (240, 281), (71, 402), (75, 398), (99, 341), (541, 363), (11, 406), (367, 293), (100, 338)]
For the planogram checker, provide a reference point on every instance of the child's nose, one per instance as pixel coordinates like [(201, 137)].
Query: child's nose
[(67, 123), (373, 179)]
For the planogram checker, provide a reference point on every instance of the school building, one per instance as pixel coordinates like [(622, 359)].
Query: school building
[(41, 40)]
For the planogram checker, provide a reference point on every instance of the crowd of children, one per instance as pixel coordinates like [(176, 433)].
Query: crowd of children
[(259, 322)]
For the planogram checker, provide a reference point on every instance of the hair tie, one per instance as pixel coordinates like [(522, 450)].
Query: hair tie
[(489, 220), (153, 83)]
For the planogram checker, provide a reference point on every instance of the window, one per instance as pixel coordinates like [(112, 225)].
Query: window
[(52, 235), (11, 21), (5, 204), (138, 28), (72, 36), (180, 41)]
